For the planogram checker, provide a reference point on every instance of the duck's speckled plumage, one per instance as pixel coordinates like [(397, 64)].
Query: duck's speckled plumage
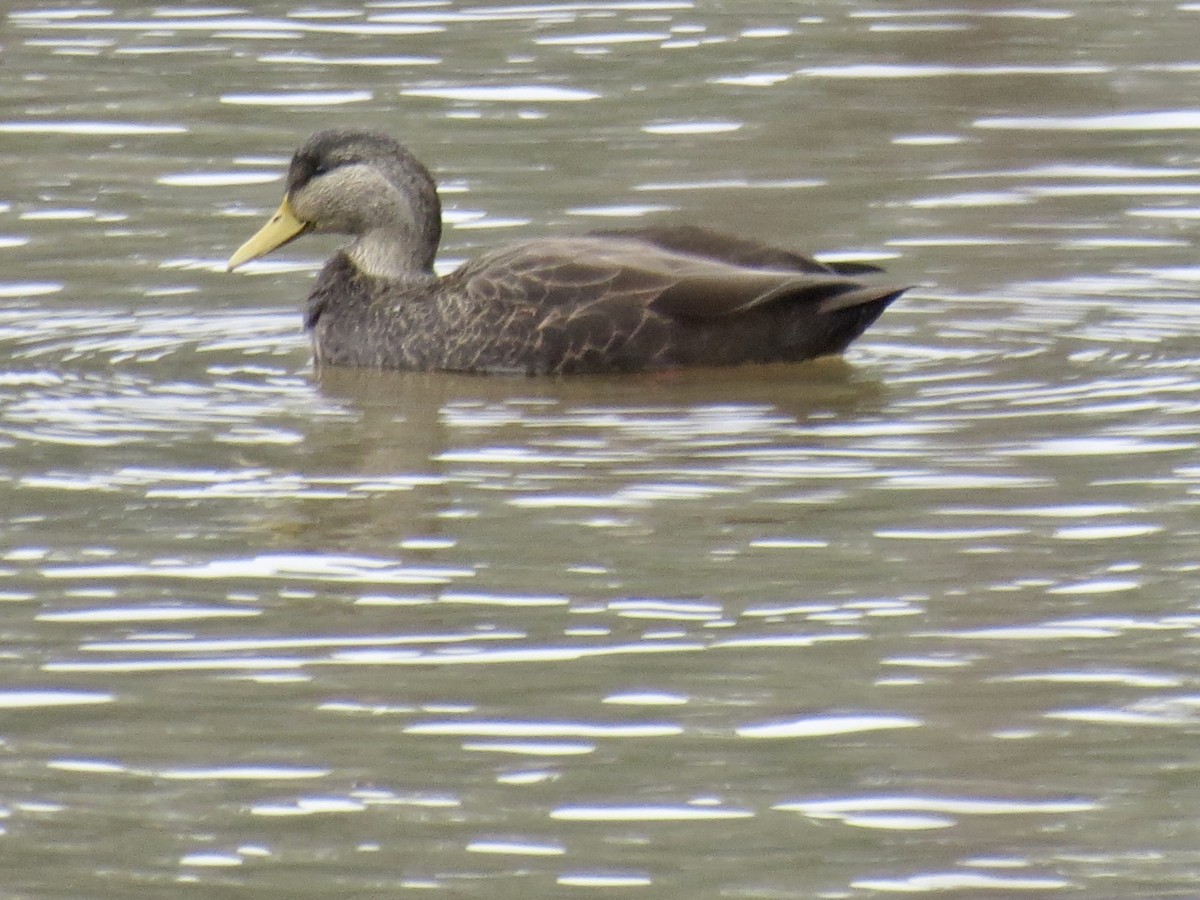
[(616, 301)]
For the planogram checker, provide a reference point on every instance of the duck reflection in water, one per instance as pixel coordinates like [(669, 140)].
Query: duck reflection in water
[(624, 300)]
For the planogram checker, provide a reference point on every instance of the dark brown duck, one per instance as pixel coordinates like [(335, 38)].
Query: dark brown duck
[(614, 301)]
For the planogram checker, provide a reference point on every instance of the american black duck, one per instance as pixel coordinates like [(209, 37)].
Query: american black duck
[(614, 301)]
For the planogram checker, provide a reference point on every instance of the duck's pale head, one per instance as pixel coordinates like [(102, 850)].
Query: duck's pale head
[(363, 184)]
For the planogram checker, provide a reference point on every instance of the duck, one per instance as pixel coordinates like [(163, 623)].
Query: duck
[(637, 299)]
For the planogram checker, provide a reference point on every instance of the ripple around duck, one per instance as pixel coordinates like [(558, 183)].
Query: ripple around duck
[(110, 614), (243, 773), (282, 567), (828, 725), (293, 58), (74, 416), (529, 93), (1034, 13), (586, 879), (161, 644), (299, 98), (516, 847), (72, 334), (872, 71), (244, 25), (968, 806), (210, 859), (531, 748), (486, 657), (691, 128), (216, 179), (601, 39), (539, 12), (22, 289), (655, 813), (545, 729), (939, 882), (98, 129), (1167, 120), (48, 699)]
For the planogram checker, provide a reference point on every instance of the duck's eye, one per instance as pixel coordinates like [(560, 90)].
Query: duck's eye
[(320, 169)]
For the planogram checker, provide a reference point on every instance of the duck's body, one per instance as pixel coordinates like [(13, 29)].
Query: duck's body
[(618, 301)]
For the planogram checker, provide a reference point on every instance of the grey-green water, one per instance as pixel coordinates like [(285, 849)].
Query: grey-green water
[(920, 621)]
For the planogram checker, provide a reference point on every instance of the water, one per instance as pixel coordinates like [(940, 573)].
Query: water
[(921, 621)]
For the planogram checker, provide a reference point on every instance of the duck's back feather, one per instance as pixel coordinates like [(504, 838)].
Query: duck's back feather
[(719, 246)]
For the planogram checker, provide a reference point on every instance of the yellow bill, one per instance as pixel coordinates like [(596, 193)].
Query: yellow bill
[(280, 228)]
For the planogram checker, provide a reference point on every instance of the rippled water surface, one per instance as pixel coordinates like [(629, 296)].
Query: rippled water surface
[(921, 621)]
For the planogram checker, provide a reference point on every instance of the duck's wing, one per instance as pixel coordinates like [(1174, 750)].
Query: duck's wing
[(607, 303), (719, 246), (719, 292), (661, 272), (704, 274)]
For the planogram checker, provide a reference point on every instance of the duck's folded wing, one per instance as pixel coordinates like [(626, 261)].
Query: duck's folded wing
[(710, 294), (704, 274), (718, 246), (584, 276), (604, 304)]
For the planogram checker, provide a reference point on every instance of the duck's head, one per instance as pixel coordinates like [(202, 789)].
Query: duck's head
[(364, 184)]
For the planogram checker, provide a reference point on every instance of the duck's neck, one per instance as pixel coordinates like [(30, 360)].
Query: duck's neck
[(394, 254)]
